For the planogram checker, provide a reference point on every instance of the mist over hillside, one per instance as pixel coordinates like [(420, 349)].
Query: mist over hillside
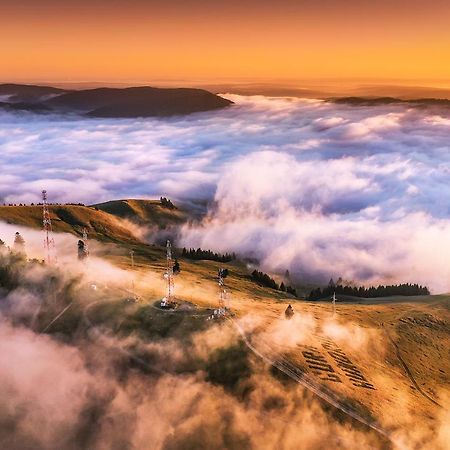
[(112, 370)]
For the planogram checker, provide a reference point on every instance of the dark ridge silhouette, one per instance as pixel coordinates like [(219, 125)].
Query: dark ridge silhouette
[(28, 92), (130, 102), (138, 102), (379, 101), (24, 106)]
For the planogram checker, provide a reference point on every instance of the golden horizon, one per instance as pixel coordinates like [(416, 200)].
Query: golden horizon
[(102, 41)]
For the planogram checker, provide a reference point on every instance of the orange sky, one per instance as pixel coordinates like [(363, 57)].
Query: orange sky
[(193, 39)]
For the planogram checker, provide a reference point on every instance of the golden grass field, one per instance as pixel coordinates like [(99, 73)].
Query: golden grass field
[(399, 345)]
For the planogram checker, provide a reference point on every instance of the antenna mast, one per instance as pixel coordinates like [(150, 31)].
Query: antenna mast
[(49, 242), (132, 280), (85, 240), (222, 290), (168, 301), (223, 300)]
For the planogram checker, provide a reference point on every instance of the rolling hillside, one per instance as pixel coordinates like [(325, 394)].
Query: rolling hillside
[(110, 221), (145, 212), (374, 359), (71, 219)]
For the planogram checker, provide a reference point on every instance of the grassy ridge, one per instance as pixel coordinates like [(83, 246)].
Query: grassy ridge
[(71, 219), (144, 212), (104, 221)]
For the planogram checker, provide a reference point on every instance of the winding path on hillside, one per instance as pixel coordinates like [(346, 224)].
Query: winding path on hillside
[(408, 370)]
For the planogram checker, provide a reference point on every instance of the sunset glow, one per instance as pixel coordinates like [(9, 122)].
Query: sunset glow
[(147, 40)]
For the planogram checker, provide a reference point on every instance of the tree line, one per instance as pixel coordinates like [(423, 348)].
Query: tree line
[(166, 203), (406, 289), (198, 254), (265, 280)]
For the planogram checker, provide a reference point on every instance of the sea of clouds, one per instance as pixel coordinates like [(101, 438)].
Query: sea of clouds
[(319, 188)]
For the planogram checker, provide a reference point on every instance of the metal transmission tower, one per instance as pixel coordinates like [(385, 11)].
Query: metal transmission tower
[(223, 297), (85, 240), (133, 292), (222, 273), (49, 242), (168, 301)]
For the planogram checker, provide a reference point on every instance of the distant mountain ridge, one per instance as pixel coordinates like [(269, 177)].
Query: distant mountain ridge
[(378, 101), (138, 101), (144, 101), (28, 92)]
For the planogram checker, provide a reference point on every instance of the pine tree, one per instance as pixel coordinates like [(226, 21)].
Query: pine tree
[(19, 243)]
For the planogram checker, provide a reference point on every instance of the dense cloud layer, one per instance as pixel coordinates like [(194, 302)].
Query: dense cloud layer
[(319, 188)]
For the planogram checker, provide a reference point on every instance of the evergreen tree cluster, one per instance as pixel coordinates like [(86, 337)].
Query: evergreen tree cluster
[(198, 253), (166, 203), (11, 264), (265, 280), (406, 289)]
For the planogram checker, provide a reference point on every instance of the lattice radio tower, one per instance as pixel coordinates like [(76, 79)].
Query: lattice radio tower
[(169, 274), (223, 296), (85, 242), (49, 242), (133, 291)]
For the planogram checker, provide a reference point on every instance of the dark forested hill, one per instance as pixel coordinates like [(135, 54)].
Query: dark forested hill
[(138, 101), (141, 101)]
